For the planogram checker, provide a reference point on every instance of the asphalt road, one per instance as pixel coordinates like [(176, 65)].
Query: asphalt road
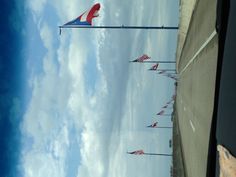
[(196, 87)]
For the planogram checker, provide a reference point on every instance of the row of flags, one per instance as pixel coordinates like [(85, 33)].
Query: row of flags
[(162, 112), (166, 105), (144, 57), (86, 20), (154, 125)]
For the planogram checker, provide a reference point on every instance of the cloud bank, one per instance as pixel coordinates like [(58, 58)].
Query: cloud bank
[(88, 101)]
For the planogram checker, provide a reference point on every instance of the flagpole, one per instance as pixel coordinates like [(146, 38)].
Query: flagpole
[(153, 62), (160, 127), (121, 27), (170, 71), (166, 70), (157, 154)]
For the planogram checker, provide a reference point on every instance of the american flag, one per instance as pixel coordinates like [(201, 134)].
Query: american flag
[(154, 67), (142, 58), (160, 113), (138, 152), (153, 125), (165, 106)]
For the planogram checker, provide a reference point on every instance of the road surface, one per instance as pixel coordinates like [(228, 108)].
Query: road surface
[(196, 87)]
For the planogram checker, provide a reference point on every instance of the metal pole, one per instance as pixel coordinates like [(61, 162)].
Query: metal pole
[(153, 62), (160, 127), (158, 154), (151, 154), (166, 70), (121, 27)]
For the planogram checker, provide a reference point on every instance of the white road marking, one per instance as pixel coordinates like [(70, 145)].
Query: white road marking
[(192, 125), (184, 108), (199, 50)]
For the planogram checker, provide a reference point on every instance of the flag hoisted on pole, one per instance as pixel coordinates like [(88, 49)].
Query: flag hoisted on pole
[(154, 67), (138, 152), (154, 61), (153, 125), (171, 76), (85, 21), (141, 152), (165, 106), (161, 113), (163, 71), (145, 57), (142, 58), (160, 127), (86, 18)]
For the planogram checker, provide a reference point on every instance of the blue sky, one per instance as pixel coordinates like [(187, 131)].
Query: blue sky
[(83, 104), (12, 69)]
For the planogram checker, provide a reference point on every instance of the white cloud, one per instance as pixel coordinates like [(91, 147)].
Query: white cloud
[(91, 149), (108, 118), (49, 114), (61, 142), (37, 6), (42, 165), (46, 36)]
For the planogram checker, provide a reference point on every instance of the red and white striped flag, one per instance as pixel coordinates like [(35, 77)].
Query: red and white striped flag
[(154, 67), (142, 58), (161, 112), (165, 106), (153, 125), (138, 152)]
